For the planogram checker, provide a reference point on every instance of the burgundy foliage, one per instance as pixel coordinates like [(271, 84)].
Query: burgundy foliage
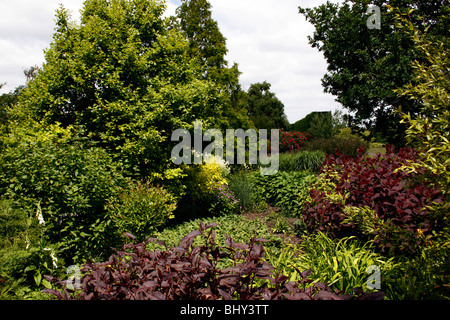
[(191, 273), (372, 181)]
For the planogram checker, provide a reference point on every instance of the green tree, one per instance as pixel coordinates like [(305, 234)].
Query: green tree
[(366, 65), (208, 45), (430, 130), (125, 76), (265, 109), (11, 98), (321, 125)]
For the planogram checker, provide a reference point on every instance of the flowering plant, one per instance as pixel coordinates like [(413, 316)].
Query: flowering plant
[(223, 200), (292, 141)]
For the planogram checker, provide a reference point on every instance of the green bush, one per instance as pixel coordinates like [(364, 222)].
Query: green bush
[(201, 181), (223, 201), (287, 190), (245, 188), (69, 178), (142, 209), (25, 254), (424, 276), (348, 146), (301, 161)]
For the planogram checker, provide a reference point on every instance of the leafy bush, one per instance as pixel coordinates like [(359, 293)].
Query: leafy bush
[(424, 276), (25, 254), (429, 130), (291, 141), (223, 201), (69, 178), (399, 203), (321, 125), (142, 209), (301, 161), (348, 146), (201, 181), (186, 272), (245, 188), (287, 190)]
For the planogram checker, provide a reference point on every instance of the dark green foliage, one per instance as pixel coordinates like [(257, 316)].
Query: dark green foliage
[(321, 125), (304, 124), (348, 146), (424, 276), (264, 108), (365, 66), (25, 254), (301, 161), (70, 180), (208, 45), (287, 190)]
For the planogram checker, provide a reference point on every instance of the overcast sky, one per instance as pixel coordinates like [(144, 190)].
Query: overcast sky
[(267, 38)]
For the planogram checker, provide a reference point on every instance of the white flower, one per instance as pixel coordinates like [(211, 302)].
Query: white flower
[(210, 159), (39, 215), (52, 255)]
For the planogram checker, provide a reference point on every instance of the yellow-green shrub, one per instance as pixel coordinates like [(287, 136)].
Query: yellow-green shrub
[(202, 179), (142, 209)]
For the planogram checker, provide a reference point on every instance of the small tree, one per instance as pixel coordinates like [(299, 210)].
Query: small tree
[(430, 130)]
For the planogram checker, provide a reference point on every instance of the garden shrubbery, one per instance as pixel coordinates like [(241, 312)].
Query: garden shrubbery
[(207, 189), (301, 161), (397, 217), (344, 145), (68, 179), (287, 190), (188, 272), (86, 167), (292, 141), (142, 209)]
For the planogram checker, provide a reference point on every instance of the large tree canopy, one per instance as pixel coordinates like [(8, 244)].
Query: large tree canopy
[(366, 65), (126, 77), (208, 45)]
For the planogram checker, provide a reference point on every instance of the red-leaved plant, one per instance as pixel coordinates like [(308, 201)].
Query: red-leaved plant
[(399, 199), (189, 272), (291, 141)]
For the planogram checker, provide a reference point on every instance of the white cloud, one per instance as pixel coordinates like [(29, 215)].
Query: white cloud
[(26, 29), (267, 38)]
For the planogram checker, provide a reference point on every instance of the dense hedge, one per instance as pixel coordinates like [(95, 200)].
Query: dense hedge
[(335, 145)]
